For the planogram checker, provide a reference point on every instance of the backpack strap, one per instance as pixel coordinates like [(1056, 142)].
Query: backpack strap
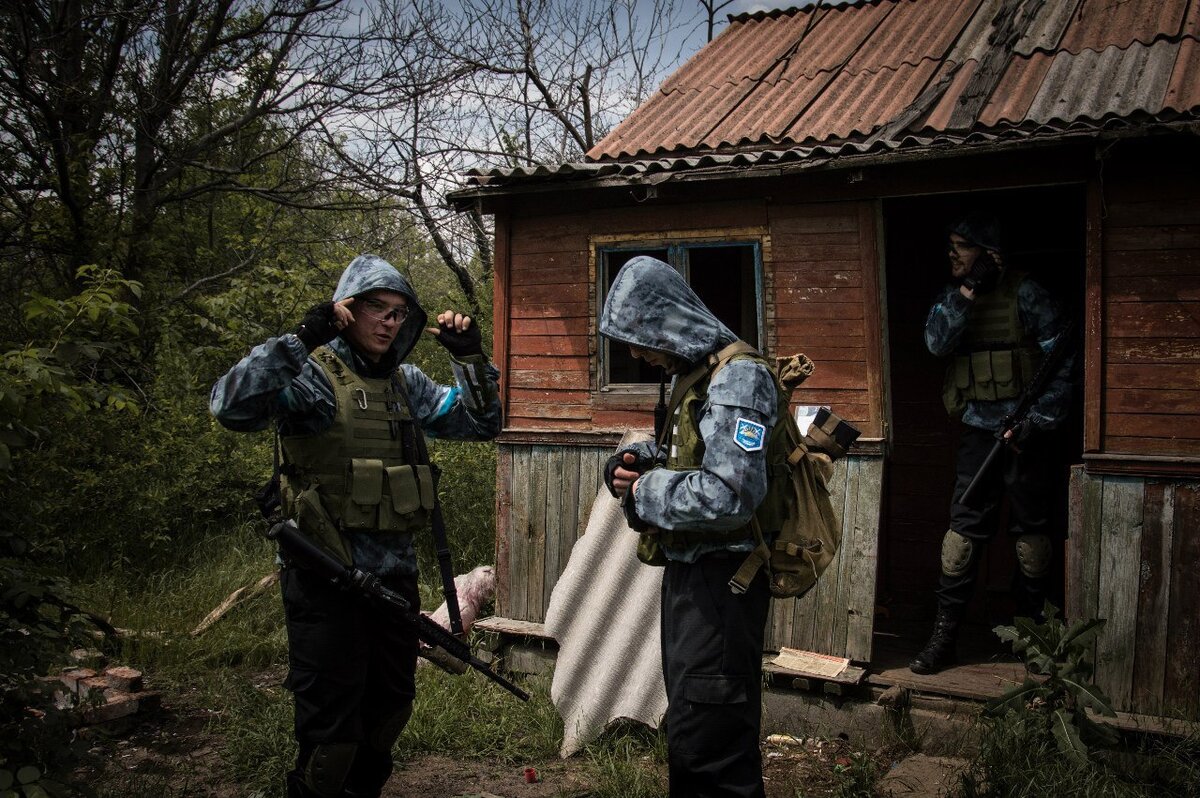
[(708, 367), (761, 556)]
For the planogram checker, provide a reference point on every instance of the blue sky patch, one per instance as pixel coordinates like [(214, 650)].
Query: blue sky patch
[(749, 435)]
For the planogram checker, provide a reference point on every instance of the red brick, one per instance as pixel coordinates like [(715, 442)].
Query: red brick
[(124, 678)]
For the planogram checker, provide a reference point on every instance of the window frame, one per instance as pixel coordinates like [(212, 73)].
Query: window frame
[(677, 245)]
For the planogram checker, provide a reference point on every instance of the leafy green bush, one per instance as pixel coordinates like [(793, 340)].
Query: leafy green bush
[(1058, 690), (1039, 738)]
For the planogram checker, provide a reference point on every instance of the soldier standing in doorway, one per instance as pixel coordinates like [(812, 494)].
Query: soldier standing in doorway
[(996, 324)]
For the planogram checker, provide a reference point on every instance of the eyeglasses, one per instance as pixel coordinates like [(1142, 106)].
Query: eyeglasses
[(380, 312)]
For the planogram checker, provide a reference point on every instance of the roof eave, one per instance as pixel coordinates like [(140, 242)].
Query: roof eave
[(464, 199)]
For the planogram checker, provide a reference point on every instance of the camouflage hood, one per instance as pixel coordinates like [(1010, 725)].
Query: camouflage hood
[(368, 273), (651, 306)]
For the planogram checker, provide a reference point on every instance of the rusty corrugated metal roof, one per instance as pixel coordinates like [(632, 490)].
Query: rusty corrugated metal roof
[(879, 75)]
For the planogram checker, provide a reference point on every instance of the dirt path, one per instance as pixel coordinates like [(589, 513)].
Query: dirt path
[(175, 748)]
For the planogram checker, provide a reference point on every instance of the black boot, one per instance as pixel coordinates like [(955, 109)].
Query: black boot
[(939, 651)]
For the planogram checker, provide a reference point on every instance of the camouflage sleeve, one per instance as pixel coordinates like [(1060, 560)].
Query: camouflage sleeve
[(468, 410), (275, 381), (1041, 316), (731, 482), (946, 321)]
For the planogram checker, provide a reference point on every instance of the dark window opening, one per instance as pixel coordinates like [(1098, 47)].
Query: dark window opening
[(725, 276)]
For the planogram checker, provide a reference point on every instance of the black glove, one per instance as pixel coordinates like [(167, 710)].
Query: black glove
[(984, 274), (461, 344), (1022, 431), (641, 464), (318, 326)]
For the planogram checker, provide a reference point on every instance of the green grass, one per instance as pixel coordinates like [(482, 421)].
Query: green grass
[(232, 673), (1016, 760)]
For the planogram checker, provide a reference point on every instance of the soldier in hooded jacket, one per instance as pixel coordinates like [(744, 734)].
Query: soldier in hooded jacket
[(350, 415), (693, 501), (995, 324)]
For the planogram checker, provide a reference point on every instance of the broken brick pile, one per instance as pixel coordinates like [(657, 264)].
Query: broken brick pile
[(100, 697)]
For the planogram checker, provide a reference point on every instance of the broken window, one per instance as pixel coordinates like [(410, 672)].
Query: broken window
[(726, 275)]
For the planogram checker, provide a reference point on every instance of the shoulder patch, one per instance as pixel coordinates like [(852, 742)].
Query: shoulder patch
[(749, 435)]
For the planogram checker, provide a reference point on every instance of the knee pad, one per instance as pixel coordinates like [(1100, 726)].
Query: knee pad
[(1033, 555), (957, 554), (384, 736), (327, 768)]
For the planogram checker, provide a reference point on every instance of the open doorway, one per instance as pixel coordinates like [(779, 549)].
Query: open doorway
[(1045, 233)]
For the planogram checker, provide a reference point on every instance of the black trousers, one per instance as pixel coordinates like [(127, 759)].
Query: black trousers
[(1025, 477), (352, 667), (712, 642)]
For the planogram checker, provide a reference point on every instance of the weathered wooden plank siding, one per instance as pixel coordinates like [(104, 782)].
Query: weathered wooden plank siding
[(1151, 315), (545, 495), (825, 302), (1131, 559), (552, 489), (837, 616), (549, 346)]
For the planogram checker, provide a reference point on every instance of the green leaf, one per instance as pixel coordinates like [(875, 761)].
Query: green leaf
[(1042, 664), (28, 774), (6, 779), (1009, 634), (1081, 631), (1089, 695), (1037, 635), (1067, 736), (1014, 698)]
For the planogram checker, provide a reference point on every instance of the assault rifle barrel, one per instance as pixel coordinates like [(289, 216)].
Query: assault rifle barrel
[(295, 545)]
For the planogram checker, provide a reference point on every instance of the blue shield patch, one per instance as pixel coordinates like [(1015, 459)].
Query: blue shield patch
[(749, 435)]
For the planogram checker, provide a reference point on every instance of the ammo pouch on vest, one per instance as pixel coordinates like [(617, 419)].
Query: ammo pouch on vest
[(995, 359), (362, 473)]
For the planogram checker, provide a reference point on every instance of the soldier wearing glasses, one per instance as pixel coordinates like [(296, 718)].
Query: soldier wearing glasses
[(351, 417)]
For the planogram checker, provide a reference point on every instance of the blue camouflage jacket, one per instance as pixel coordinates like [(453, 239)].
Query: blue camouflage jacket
[(278, 382), (651, 306), (1041, 318)]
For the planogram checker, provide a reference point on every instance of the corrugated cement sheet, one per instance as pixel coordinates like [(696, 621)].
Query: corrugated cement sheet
[(604, 613), (843, 74)]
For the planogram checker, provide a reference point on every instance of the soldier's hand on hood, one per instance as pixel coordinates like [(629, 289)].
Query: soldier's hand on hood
[(322, 323), (458, 334)]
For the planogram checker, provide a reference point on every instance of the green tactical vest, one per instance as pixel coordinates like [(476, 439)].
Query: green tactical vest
[(995, 357), (686, 453), (357, 474)]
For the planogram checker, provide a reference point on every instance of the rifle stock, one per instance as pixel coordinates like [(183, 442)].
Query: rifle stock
[(308, 554)]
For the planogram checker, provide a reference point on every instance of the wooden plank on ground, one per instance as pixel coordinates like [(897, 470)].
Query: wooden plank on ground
[(1121, 522), (512, 626)]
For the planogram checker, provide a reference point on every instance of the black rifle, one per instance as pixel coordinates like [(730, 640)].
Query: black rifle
[(1033, 390), (308, 554)]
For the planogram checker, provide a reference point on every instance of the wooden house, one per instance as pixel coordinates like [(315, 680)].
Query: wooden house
[(800, 171)]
